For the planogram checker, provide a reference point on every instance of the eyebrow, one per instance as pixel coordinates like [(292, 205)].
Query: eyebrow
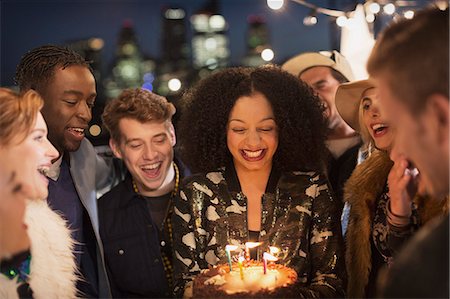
[(240, 120), (140, 139), (132, 140), (78, 93), (39, 130), (322, 81)]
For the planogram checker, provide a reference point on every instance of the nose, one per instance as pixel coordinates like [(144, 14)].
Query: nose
[(253, 138), (374, 111), (84, 111), (149, 153), (51, 152)]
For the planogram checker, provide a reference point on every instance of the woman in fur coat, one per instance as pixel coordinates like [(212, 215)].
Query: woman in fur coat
[(47, 269), (383, 214)]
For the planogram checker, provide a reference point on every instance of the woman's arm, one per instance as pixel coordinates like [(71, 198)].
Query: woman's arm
[(325, 275), (187, 242)]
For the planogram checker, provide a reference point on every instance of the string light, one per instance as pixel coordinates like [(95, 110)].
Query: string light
[(341, 21), (275, 4), (409, 14), (311, 19), (370, 18), (389, 9), (372, 8), (267, 54)]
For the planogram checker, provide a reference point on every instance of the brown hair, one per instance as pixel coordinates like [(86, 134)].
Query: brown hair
[(17, 115), (139, 104), (413, 55)]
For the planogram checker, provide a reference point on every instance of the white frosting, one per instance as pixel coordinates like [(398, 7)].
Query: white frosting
[(254, 280)]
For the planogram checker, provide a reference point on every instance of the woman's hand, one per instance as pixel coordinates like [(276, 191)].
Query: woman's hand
[(398, 179)]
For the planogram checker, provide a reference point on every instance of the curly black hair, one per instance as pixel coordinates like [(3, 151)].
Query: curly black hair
[(298, 113), (37, 67)]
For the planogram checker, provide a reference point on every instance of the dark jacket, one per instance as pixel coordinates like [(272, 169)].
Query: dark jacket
[(422, 268), (365, 191), (340, 169), (133, 244), (298, 216)]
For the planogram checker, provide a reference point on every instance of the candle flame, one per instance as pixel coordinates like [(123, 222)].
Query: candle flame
[(267, 256), (241, 259), (274, 250), (231, 247), (252, 244)]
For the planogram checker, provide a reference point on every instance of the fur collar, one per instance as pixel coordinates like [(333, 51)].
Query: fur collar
[(361, 191), (53, 268)]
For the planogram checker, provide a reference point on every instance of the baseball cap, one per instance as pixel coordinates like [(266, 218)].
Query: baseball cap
[(348, 97), (304, 61)]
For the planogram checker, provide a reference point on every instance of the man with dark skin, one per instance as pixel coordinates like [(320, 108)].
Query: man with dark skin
[(67, 85)]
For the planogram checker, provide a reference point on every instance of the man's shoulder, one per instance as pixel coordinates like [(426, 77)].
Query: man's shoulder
[(424, 259), (85, 152), (114, 196)]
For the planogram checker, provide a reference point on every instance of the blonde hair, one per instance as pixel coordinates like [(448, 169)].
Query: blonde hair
[(368, 142), (17, 114)]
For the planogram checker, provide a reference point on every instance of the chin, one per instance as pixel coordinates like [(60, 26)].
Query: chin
[(72, 147), (40, 193)]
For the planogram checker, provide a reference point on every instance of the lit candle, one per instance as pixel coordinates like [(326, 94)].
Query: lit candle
[(228, 250), (265, 263), (267, 257), (249, 245), (241, 269), (274, 250)]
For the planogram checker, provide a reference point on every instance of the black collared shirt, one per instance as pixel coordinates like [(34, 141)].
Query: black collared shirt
[(133, 244)]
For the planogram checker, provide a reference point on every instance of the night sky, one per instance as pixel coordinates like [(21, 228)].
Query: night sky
[(26, 24)]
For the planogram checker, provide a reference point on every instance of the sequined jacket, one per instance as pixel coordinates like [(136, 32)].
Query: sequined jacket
[(299, 216)]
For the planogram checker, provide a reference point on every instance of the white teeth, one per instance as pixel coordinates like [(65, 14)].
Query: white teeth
[(378, 126), (253, 154), (151, 166), (44, 170), (78, 130)]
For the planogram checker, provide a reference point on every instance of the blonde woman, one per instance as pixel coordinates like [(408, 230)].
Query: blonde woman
[(47, 269), (383, 212)]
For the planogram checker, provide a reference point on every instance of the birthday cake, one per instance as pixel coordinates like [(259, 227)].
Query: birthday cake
[(245, 280)]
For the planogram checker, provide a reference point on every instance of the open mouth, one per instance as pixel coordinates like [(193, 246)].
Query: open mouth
[(151, 170), (44, 170), (75, 130), (253, 155), (380, 129)]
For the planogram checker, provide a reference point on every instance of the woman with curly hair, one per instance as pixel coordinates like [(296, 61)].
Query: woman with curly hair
[(255, 137)]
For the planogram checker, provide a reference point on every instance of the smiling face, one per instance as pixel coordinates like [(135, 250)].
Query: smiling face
[(36, 154), (252, 133), (320, 79), (375, 121), (147, 150), (69, 99), (421, 138), (22, 165), (13, 231)]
